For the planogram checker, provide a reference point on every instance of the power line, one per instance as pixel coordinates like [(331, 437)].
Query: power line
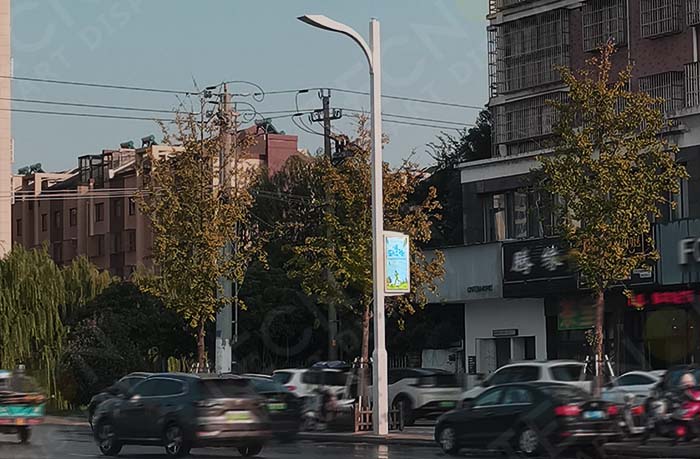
[(85, 105), (413, 99), (409, 123), (100, 85), (415, 118), (85, 115)]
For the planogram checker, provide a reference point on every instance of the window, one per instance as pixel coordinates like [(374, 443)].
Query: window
[(526, 119), (44, 222), (502, 376), (516, 214), (125, 384), (520, 229), (679, 208), (100, 245), (99, 212), (489, 398), (164, 387), (517, 396), (693, 12), (131, 241), (604, 20), (73, 216), (19, 227), (530, 50), (116, 243), (282, 377), (132, 206), (147, 388), (634, 380), (567, 373), (668, 86), (225, 388), (526, 373), (661, 17), (58, 220), (396, 375), (495, 217), (118, 208)]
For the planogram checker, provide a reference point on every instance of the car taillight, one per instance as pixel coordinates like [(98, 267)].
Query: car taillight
[(613, 410), (637, 410), (567, 410), (291, 388)]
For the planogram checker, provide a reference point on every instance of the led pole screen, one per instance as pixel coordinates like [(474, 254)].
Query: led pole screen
[(397, 263)]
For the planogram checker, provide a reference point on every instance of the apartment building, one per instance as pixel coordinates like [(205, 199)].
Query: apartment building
[(521, 299), (90, 210)]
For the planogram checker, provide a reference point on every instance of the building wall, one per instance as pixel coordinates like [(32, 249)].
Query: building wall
[(5, 130)]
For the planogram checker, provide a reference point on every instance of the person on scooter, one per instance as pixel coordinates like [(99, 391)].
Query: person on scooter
[(688, 386)]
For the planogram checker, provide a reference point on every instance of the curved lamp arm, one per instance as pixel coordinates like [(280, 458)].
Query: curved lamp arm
[(324, 22)]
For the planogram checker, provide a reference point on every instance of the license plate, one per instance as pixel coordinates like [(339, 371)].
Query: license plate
[(276, 406), (238, 416), (593, 415), (447, 404)]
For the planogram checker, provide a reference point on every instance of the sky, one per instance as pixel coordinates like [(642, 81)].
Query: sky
[(431, 49)]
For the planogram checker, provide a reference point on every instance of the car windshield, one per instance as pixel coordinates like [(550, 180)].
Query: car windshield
[(226, 388), (566, 393), (571, 372), (18, 383), (674, 376), (282, 377), (266, 386)]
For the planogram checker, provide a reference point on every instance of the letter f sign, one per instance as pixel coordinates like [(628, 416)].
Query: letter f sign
[(686, 248)]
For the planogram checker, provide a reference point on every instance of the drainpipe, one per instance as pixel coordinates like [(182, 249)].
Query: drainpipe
[(695, 43)]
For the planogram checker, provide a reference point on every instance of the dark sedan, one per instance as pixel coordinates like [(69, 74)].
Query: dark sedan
[(184, 411), (283, 407), (121, 387), (529, 418)]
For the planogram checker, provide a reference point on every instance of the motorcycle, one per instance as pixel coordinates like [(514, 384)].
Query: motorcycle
[(633, 420), (318, 410), (675, 417)]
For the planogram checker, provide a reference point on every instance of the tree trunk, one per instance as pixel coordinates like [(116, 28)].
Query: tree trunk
[(364, 355), (201, 352), (599, 319)]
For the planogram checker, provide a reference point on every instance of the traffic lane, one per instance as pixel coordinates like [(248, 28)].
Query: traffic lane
[(58, 442)]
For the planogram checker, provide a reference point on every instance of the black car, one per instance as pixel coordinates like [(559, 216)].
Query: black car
[(284, 407), (530, 418), (183, 411), (121, 387)]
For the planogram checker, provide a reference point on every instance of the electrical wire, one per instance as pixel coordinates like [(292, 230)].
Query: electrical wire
[(415, 118), (85, 105), (413, 99), (85, 115), (100, 85)]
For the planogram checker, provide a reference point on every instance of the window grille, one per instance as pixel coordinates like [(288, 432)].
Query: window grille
[(661, 17), (667, 86), (692, 84), (693, 12), (526, 119), (604, 20)]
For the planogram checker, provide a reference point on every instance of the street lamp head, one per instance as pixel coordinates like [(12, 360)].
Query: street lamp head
[(323, 22)]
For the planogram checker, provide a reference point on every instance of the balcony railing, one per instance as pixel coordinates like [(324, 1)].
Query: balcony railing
[(499, 5), (667, 86)]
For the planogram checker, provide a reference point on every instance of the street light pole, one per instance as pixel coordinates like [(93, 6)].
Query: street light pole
[(373, 55)]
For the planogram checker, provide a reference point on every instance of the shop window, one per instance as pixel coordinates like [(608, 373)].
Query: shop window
[(604, 20)]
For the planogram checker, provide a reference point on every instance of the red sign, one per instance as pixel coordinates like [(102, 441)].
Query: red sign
[(642, 300)]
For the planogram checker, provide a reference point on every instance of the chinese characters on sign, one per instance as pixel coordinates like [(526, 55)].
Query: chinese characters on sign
[(641, 300), (521, 262), (550, 259), (397, 264)]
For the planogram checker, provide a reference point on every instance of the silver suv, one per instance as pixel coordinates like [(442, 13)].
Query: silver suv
[(557, 371)]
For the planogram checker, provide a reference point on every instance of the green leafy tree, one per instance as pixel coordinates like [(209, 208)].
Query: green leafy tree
[(83, 282), (194, 217), (613, 172), (340, 242), (471, 144)]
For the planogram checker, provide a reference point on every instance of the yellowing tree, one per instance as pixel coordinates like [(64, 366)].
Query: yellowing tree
[(613, 171)]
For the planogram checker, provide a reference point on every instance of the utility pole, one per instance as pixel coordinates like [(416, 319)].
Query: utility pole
[(324, 116), (224, 334)]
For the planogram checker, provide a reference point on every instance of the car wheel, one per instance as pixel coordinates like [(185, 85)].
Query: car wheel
[(250, 450), (174, 441), (107, 439), (528, 442), (405, 408), (24, 433), (447, 437)]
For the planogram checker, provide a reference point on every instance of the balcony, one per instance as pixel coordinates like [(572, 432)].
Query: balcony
[(692, 84), (693, 12), (668, 86)]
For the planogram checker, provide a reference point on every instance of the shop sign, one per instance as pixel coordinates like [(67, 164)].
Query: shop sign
[(471, 364), (689, 250), (505, 333), (480, 288), (576, 313), (536, 267), (642, 300)]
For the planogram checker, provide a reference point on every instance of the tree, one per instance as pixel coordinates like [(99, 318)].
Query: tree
[(121, 330), (612, 171), (340, 242), (83, 281), (470, 145), (194, 217)]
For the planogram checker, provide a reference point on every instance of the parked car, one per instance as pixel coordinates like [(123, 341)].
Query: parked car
[(121, 387), (304, 383), (183, 411), (283, 406), (568, 372), (528, 418), (635, 383), (422, 392)]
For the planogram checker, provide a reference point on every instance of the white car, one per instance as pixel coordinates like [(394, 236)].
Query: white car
[(422, 392), (636, 383), (303, 382), (555, 371)]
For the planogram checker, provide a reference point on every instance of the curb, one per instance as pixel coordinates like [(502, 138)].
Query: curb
[(367, 438)]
